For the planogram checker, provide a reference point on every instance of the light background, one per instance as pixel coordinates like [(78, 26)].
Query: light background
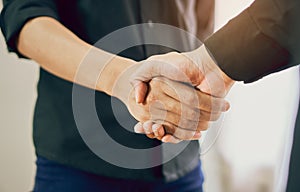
[(256, 135), (247, 156)]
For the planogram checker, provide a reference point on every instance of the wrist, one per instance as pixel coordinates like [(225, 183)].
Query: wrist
[(210, 59), (216, 82), (122, 88), (113, 67)]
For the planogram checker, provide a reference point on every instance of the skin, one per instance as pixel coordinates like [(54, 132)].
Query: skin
[(60, 52), (202, 73)]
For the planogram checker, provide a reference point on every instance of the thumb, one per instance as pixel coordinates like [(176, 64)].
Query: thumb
[(140, 91), (177, 68), (140, 78)]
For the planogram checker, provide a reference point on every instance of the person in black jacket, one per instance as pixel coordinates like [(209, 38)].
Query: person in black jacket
[(59, 36), (261, 40)]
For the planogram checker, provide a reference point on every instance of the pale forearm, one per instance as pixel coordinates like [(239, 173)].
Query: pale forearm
[(61, 52)]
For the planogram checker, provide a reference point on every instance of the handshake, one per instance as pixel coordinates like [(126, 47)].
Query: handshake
[(174, 96)]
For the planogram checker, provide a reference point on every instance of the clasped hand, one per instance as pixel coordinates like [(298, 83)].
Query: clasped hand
[(175, 96)]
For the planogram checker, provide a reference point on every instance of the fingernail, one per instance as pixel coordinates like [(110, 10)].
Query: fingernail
[(137, 97), (165, 139), (138, 128), (155, 127), (197, 135)]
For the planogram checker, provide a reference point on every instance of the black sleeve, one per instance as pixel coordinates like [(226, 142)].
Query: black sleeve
[(16, 13), (263, 39)]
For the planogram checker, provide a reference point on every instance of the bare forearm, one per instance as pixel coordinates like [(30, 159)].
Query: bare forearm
[(61, 52)]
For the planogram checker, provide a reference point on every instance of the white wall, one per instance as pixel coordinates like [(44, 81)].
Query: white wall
[(17, 96)]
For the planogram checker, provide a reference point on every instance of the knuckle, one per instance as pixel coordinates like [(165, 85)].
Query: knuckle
[(204, 116), (191, 98), (183, 123), (216, 105), (188, 124), (188, 67), (151, 98), (206, 105), (143, 117), (194, 125), (170, 129), (191, 114), (155, 82), (174, 108)]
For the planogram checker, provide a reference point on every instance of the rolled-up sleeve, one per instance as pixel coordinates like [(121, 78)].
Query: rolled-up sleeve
[(16, 13), (263, 39)]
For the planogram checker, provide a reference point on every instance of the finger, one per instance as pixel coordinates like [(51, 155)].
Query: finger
[(138, 128), (206, 116), (161, 104), (174, 66), (140, 91), (151, 136), (160, 133), (157, 100), (139, 81), (203, 126), (173, 112), (158, 116), (184, 134), (192, 96), (147, 126), (158, 130), (153, 130), (196, 136), (170, 139), (179, 133)]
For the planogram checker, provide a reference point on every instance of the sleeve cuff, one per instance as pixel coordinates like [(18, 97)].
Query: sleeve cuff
[(15, 14)]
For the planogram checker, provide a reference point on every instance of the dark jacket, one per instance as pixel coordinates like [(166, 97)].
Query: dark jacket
[(54, 131), (262, 40)]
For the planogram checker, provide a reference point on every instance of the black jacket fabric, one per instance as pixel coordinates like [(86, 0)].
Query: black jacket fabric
[(263, 39)]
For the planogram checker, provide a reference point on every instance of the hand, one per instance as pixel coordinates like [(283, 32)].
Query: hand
[(182, 110), (161, 132), (195, 67)]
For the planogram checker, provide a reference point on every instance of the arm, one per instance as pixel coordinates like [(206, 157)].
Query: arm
[(60, 52), (37, 34), (262, 40)]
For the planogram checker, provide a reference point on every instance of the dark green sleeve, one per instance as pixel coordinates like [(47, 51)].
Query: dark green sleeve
[(263, 39), (16, 13)]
